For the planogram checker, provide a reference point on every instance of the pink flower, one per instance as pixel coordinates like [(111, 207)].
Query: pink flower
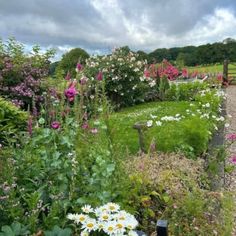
[(231, 137), (233, 160), (85, 126), (185, 73), (99, 76), (94, 130), (83, 80), (220, 77), (30, 125), (68, 76), (147, 73), (79, 67), (70, 93), (55, 125)]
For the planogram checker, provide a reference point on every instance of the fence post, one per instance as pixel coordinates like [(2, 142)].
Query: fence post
[(162, 228), (225, 71)]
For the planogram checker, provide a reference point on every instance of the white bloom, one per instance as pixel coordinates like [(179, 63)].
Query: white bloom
[(226, 125), (120, 227), (191, 105), (89, 225), (113, 207), (153, 117), (96, 122), (132, 233), (149, 123), (78, 218), (87, 209), (71, 216), (152, 83), (110, 228), (104, 216), (84, 233), (220, 118), (158, 123), (131, 223)]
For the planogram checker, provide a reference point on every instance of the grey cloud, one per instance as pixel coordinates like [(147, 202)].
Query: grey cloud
[(98, 25)]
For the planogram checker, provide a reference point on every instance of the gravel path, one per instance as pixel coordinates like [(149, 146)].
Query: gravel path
[(231, 111)]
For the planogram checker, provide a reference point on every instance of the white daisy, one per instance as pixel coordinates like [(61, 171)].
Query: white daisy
[(87, 209), (149, 123), (89, 225), (113, 207)]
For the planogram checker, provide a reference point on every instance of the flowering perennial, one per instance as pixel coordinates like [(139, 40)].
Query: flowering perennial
[(107, 219)]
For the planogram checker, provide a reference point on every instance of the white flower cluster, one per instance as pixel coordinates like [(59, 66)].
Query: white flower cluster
[(177, 117), (107, 219)]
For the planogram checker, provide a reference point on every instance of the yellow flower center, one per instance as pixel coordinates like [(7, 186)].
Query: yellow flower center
[(105, 217), (122, 218), (90, 225), (82, 218), (110, 228), (119, 226), (112, 208)]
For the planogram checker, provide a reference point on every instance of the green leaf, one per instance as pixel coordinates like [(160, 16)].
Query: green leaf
[(16, 228), (7, 231)]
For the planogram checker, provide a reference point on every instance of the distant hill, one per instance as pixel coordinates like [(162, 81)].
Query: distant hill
[(193, 55)]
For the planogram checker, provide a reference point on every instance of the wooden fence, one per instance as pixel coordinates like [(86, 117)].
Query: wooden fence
[(229, 71)]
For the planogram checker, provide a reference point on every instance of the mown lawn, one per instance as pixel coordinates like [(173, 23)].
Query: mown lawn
[(190, 134)]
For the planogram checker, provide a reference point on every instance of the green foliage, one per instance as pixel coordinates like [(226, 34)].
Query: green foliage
[(184, 91), (57, 231), (12, 120), (15, 229), (70, 59)]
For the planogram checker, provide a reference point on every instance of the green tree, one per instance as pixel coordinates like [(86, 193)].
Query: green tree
[(71, 58)]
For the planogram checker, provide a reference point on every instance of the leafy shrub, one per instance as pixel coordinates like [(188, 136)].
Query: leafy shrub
[(12, 120), (123, 74), (21, 75), (184, 91)]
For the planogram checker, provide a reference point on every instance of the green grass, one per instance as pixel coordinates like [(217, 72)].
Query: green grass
[(190, 132), (214, 68), (217, 68)]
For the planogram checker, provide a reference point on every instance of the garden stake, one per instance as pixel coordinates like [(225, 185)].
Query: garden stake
[(140, 127), (162, 228)]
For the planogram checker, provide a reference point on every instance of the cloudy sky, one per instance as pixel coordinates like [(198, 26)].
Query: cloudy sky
[(100, 25)]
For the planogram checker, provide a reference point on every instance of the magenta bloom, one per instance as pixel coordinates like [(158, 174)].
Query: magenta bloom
[(70, 93), (231, 137), (79, 67), (94, 131), (99, 76), (55, 125), (85, 125), (68, 76), (233, 160), (185, 73)]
